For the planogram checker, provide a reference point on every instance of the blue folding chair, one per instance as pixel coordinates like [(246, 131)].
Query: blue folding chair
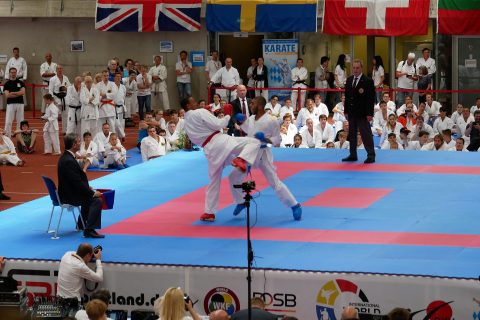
[(52, 191)]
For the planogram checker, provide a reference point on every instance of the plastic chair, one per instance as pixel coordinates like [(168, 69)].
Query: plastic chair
[(52, 191)]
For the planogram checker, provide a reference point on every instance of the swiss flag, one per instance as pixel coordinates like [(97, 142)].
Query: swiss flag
[(376, 17)]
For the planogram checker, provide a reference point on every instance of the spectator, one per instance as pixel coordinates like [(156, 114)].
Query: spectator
[(330, 145), (211, 67), (142, 132), (442, 122), (421, 126), (240, 105), (218, 315), (287, 109), (153, 146), (392, 126), (424, 83), (291, 129), (101, 140), (73, 188), (73, 270), (342, 142), (391, 142), (90, 98), (407, 75), (339, 113), (159, 121), (57, 87), (101, 295), (460, 145), (115, 153), (47, 71), (378, 76), (131, 101), (380, 119), (432, 107), (19, 64), (260, 76), (438, 144), (299, 76), (427, 62), (308, 112), (26, 137), (172, 306), (72, 99), (390, 104), (324, 132), (447, 138), (340, 75), (472, 131), (321, 74), (297, 141), (463, 121), (7, 151), (273, 106), (308, 134), (144, 94), (349, 313), (406, 143), (321, 107), (128, 66), (476, 106), (113, 68), (408, 104), (159, 84), (257, 309), (108, 92), (229, 78), (3, 196), (119, 101), (183, 69), (14, 90), (50, 129), (215, 105), (88, 154), (96, 310), (399, 314)]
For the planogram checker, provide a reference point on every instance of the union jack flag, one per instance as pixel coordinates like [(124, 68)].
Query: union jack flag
[(148, 15)]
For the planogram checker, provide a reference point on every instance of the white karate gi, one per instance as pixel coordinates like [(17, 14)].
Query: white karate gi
[(101, 140), (46, 68), (119, 101), (54, 88), (114, 156), (269, 126), (159, 86), (74, 106), (151, 148), (131, 102), (106, 109), (7, 152), (91, 152), (322, 136), (227, 78), (50, 129), (89, 110), (298, 75), (200, 124)]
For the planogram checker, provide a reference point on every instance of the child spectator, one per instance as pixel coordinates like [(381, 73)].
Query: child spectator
[(50, 129), (88, 154), (297, 141), (116, 155), (342, 142), (26, 137)]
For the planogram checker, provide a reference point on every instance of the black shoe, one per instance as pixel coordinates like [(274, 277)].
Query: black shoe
[(369, 160), (92, 234), (349, 159), (3, 196)]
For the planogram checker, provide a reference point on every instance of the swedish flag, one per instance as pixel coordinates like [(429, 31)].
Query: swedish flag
[(262, 15)]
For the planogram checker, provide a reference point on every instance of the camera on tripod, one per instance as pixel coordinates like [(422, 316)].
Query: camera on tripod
[(247, 186)]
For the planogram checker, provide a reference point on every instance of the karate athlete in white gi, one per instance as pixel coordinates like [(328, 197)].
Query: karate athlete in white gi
[(265, 127), (90, 98), (119, 101), (57, 87), (204, 129), (74, 107), (106, 109)]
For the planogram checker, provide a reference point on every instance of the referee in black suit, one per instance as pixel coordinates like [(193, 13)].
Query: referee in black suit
[(359, 103), (240, 105)]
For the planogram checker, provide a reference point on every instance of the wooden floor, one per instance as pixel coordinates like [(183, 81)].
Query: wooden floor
[(23, 184)]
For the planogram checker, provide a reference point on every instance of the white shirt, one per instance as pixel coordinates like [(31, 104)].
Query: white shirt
[(320, 72), (462, 124), (431, 147), (390, 106), (212, 67), (101, 140), (20, 64), (377, 75), (439, 125), (54, 87), (131, 86), (145, 91), (251, 81), (322, 136), (473, 109), (182, 66), (150, 147), (411, 145), (47, 68), (284, 110), (307, 138), (434, 109), (345, 145), (288, 137), (304, 114), (403, 81), (275, 110), (341, 76), (227, 77), (402, 109), (71, 275), (161, 72), (430, 64), (299, 74), (426, 127), (386, 145), (73, 96), (379, 121), (91, 151), (322, 109)]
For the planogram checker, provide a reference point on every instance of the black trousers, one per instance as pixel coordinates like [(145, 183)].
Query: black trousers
[(360, 124), (1, 183), (92, 213)]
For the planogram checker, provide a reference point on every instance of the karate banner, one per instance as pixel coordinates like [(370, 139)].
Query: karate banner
[(305, 295), (376, 18), (280, 57)]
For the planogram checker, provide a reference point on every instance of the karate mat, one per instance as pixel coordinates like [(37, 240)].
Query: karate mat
[(410, 213)]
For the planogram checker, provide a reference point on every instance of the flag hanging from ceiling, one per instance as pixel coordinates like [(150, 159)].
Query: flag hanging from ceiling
[(148, 15), (376, 17), (459, 17), (261, 15)]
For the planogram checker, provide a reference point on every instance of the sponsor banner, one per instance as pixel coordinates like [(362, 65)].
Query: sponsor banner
[(305, 295), (280, 57)]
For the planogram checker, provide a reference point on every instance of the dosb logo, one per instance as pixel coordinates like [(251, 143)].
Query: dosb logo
[(221, 298), (278, 302)]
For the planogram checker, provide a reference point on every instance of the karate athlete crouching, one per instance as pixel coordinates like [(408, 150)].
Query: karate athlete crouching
[(264, 127), (206, 130)]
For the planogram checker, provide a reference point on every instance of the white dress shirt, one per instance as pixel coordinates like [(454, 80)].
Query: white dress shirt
[(227, 77), (429, 63), (71, 275), (212, 67)]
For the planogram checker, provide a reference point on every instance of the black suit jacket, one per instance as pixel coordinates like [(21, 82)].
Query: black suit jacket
[(73, 185), (237, 108), (359, 101)]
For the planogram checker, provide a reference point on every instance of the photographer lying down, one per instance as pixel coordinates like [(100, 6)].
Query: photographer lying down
[(74, 269)]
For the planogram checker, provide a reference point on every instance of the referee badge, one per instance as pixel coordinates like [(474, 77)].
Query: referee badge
[(361, 90)]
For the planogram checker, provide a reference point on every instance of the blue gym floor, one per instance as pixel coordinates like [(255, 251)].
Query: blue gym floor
[(410, 213)]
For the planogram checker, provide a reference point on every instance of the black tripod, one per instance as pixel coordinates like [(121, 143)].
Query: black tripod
[(248, 187)]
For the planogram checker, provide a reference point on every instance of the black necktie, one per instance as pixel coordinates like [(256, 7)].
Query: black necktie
[(355, 82), (244, 109)]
